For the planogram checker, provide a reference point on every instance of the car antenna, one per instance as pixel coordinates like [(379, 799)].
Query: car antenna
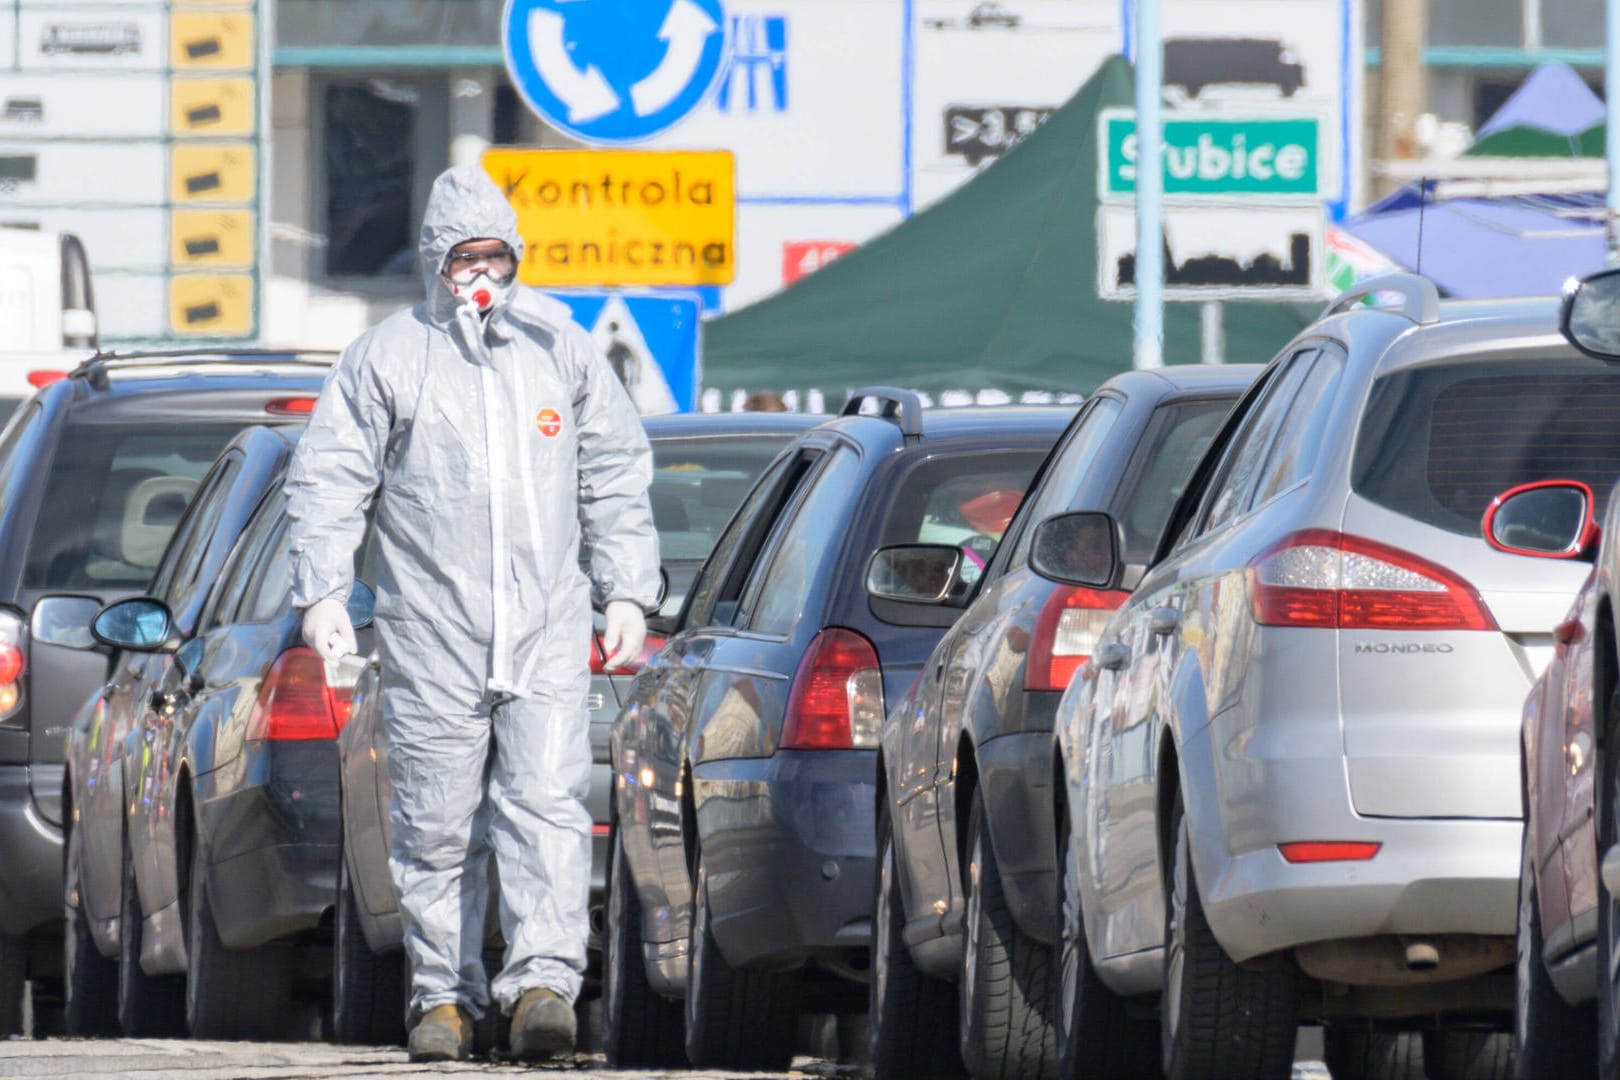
[(1423, 202)]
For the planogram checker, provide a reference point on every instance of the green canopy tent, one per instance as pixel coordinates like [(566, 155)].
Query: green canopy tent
[(995, 287)]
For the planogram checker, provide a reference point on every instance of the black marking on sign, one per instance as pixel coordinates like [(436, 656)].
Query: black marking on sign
[(198, 246), (197, 50), (197, 313), (210, 181), (19, 167), (203, 114)]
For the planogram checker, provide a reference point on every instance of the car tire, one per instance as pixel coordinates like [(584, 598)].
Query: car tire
[(1008, 989), (1097, 1037), (230, 993), (735, 1018), (1217, 1019), (90, 980), (1550, 1036), (1460, 1054), (641, 1029), (914, 1033), (13, 984), (1364, 1054), (149, 1006), (368, 990)]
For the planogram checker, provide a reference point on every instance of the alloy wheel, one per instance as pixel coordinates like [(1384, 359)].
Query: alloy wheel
[(970, 955), (1175, 943)]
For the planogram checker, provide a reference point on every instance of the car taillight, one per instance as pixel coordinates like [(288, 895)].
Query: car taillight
[(1322, 578), (290, 406), (837, 698), (1066, 633), (13, 662), (599, 656), (1306, 851), (42, 378), (296, 703)]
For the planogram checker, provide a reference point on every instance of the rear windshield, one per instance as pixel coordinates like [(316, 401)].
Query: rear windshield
[(1172, 446), (964, 500), (1439, 443), (114, 495), (698, 483)]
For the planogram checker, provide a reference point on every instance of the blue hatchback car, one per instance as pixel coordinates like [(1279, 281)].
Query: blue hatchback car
[(745, 760)]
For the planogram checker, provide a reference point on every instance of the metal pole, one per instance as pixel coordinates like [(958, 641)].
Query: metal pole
[(1150, 186), (1211, 323), (1611, 87)]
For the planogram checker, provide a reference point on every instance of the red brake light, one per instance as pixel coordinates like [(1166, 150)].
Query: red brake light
[(295, 702), (1322, 578), (11, 664), (1305, 851), (599, 656), (837, 698), (1066, 633), (290, 406), (38, 379)]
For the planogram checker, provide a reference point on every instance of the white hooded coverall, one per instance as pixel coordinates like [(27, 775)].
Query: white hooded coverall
[(487, 448)]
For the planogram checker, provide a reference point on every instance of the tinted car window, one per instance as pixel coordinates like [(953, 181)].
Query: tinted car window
[(1438, 443), (237, 577), (1068, 469), (207, 509), (1293, 451), (965, 500), (697, 484), (271, 597), (113, 497), (706, 589), (1177, 436), (798, 556), (1231, 491)]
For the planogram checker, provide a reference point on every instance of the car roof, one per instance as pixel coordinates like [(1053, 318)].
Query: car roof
[(677, 425), (1216, 378), (965, 423)]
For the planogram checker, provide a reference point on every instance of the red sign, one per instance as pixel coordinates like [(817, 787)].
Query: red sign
[(803, 257), (550, 423)]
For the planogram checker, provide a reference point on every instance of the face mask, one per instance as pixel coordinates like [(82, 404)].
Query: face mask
[(482, 292), (483, 279)]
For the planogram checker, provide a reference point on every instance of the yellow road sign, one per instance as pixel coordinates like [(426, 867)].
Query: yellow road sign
[(211, 305), (211, 106), (211, 41), (212, 174), (211, 238), (621, 217)]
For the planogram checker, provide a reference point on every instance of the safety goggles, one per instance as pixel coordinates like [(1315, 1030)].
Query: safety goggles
[(463, 268)]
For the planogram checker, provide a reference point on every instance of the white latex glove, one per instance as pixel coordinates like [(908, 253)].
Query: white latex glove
[(328, 631), (625, 634)]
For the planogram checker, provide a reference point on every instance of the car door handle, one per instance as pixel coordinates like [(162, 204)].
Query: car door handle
[(1164, 621), (1112, 656)]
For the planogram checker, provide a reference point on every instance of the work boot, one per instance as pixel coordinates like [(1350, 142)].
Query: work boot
[(444, 1033), (542, 1026)]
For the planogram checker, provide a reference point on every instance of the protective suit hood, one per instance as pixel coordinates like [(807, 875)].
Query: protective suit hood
[(465, 204)]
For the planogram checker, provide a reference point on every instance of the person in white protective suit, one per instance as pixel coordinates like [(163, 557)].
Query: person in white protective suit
[(489, 437)]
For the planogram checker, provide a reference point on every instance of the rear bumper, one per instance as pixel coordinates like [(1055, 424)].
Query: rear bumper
[(31, 852), (273, 845), (789, 846)]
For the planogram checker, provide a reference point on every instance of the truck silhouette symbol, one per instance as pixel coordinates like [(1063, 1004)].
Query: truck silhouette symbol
[(1194, 63), (110, 39)]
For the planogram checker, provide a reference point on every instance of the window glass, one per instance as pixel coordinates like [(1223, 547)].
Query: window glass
[(1438, 443), (114, 494), (1175, 440), (439, 23), (1067, 471), (237, 575), (803, 549), (706, 589), (271, 594), (965, 500), (370, 152), (1229, 494), (697, 485), (1293, 452), (1575, 24), (28, 429), (200, 522)]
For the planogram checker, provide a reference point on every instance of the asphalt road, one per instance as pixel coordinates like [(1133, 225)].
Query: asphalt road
[(135, 1059)]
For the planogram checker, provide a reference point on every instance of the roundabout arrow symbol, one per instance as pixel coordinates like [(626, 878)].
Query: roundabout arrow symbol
[(687, 28), (586, 93)]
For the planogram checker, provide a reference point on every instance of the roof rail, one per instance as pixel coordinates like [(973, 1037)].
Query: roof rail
[(101, 365), (1420, 299), (902, 406)]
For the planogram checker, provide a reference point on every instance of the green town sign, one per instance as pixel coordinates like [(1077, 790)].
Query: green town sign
[(1218, 156)]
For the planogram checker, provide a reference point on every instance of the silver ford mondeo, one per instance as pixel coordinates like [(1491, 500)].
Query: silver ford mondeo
[(1288, 778)]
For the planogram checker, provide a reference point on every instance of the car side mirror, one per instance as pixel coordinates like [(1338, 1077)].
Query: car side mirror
[(362, 606), (1078, 548), (64, 621), (141, 625), (914, 573), (1591, 315), (1549, 519)]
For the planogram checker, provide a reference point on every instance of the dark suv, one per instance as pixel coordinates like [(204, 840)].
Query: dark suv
[(95, 472), (745, 762)]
